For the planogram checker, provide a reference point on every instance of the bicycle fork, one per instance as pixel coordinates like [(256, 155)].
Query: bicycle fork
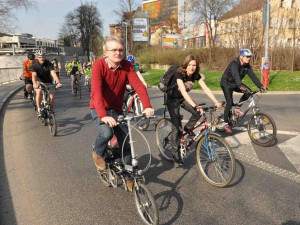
[(209, 146)]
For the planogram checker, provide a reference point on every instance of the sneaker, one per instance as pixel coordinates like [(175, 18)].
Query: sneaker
[(177, 158), (227, 128), (239, 112), (99, 162), (129, 185), (39, 113)]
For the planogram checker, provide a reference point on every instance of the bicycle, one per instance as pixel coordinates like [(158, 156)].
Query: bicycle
[(77, 85), (261, 126), (214, 156), (116, 170), (134, 105), (47, 114)]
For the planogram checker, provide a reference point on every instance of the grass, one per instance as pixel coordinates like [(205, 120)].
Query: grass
[(279, 80)]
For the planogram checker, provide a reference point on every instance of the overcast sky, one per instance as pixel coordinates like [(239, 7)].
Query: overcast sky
[(46, 18)]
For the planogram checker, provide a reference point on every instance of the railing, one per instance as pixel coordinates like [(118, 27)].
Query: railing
[(10, 74)]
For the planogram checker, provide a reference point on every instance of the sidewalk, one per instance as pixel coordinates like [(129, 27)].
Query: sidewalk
[(6, 90)]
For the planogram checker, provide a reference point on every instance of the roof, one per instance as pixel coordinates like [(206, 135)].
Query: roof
[(244, 7)]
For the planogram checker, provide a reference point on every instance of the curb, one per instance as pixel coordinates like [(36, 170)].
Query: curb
[(9, 95)]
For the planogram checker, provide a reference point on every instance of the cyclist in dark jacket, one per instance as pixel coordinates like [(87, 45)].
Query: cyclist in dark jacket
[(232, 81)]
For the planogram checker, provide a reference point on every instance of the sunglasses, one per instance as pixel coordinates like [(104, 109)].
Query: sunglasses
[(248, 57), (41, 57)]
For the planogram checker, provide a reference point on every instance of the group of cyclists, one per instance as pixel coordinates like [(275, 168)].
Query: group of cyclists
[(112, 75)]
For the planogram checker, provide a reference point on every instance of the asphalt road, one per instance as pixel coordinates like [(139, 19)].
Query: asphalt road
[(52, 180)]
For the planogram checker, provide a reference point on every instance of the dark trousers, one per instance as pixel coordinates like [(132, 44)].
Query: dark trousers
[(173, 106), (229, 99)]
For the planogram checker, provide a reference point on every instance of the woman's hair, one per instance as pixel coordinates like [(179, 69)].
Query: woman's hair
[(186, 62)]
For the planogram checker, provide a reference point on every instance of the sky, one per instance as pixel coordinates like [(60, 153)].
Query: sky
[(46, 17)]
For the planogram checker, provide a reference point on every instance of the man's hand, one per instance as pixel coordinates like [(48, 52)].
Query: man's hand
[(148, 112), (109, 120), (59, 85)]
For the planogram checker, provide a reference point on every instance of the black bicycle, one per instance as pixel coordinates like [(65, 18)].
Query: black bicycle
[(117, 170), (47, 114)]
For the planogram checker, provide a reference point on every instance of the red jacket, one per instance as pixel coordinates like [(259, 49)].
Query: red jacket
[(108, 86)]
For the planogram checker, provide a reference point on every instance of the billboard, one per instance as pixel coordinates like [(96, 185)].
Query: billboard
[(170, 40), (153, 8), (140, 29)]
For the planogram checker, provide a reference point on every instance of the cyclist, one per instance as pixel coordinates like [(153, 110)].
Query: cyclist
[(109, 77), (57, 67), (180, 84), (232, 81), (131, 59), (67, 67), (43, 71), (88, 73), (27, 75), (74, 69)]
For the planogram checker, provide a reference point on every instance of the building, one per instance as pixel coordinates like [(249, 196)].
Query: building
[(242, 26)]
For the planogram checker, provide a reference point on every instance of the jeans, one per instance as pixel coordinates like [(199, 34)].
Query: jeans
[(229, 100), (105, 133), (174, 110)]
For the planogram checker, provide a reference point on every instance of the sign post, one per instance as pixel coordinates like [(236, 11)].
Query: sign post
[(265, 67)]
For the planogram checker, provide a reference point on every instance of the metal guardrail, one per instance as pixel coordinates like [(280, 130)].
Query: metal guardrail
[(10, 74)]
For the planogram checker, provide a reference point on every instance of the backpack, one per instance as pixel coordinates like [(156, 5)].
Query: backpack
[(164, 82)]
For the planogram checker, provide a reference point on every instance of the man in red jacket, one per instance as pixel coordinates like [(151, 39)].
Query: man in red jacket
[(109, 77)]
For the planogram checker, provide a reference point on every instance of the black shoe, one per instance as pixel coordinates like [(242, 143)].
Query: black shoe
[(177, 158), (191, 134)]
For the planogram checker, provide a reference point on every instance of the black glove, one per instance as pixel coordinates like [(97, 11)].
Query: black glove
[(244, 89), (263, 89)]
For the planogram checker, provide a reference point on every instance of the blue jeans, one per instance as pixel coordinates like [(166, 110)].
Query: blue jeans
[(106, 133)]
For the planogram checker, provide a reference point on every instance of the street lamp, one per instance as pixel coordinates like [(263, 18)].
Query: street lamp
[(126, 43)]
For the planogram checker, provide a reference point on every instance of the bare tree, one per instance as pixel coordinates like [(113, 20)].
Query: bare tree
[(7, 17), (125, 12), (83, 25), (208, 12)]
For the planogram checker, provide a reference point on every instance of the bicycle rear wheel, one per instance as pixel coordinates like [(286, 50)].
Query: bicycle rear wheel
[(52, 124), (262, 129), (145, 204), (163, 138), (143, 123), (215, 160)]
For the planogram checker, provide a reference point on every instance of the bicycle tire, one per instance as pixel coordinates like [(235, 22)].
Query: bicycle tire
[(163, 138), (79, 89), (257, 127), (143, 123), (52, 124), (146, 205), (220, 169)]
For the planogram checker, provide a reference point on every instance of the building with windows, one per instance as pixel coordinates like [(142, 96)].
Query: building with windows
[(242, 26)]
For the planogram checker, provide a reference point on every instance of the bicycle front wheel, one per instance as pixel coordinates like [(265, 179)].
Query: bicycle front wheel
[(52, 124), (262, 129), (143, 123), (145, 204), (163, 138), (215, 160)]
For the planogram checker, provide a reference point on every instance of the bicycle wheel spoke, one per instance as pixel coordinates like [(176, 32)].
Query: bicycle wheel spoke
[(163, 138)]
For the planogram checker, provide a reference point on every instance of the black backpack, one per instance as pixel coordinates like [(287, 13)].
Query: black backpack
[(164, 82)]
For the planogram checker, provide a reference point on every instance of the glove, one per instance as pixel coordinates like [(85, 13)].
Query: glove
[(244, 89), (263, 89)]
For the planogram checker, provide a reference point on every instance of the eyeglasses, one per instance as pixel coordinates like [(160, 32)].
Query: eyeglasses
[(115, 51), (41, 57)]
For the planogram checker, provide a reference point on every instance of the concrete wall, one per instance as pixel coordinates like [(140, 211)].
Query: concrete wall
[(11, 65)]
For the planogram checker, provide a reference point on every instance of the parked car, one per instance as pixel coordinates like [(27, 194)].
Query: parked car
[(139, 66)]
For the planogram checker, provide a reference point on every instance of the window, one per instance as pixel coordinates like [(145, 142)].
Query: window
[(281, 3)]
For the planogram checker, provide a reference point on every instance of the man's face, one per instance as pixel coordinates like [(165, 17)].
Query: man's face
[(41, 59), (115, 52), (75, 58)]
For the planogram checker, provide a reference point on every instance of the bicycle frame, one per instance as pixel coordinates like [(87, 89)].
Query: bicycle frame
[(132, 100)]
